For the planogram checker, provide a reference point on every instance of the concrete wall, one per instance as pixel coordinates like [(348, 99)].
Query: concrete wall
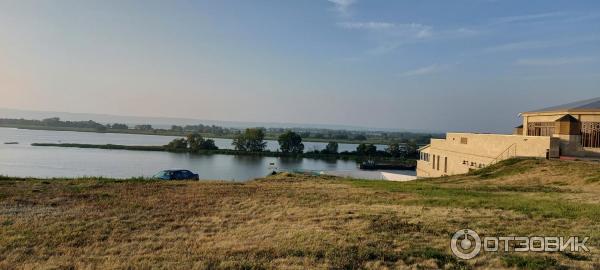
[(460, 152)]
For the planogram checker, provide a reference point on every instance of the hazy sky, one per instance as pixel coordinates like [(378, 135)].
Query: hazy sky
[(467, 65)]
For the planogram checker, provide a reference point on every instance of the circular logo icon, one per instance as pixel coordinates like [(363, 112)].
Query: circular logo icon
[(465, 244)]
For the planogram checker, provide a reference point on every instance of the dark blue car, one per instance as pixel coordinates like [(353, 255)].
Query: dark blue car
[(176, 175)]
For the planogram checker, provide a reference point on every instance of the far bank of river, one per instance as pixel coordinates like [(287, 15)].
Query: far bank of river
[(47, 136), (168, 133)]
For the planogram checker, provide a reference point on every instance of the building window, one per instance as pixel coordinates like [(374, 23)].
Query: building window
[(540, 129), (463, 140), (434, 162), (445, 164), (590, 134), (438, 163)]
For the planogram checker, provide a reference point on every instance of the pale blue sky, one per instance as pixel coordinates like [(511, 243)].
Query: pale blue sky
[(468, 65)]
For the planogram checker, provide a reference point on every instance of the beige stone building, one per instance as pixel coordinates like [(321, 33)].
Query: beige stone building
[(571, 129)]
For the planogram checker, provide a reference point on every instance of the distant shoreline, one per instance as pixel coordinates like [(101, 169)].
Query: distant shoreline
[(179, 134)]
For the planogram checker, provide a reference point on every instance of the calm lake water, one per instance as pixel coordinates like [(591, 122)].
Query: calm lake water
[(25, 160)]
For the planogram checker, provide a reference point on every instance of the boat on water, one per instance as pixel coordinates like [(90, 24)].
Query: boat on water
[(11, 143)]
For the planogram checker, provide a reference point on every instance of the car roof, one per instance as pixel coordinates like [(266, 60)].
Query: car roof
[(176, 170)]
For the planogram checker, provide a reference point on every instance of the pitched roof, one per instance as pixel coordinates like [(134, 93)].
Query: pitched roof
[(583, 105), (567, 118)]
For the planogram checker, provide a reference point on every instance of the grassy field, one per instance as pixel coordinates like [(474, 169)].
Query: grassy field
[(297, 221)]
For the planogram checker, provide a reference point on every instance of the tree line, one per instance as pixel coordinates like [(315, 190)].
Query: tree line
[(317, 134), (290, 143)]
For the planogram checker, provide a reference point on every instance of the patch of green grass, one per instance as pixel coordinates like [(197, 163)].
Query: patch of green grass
[(532, 203), (575, 256), (545, 207), (531, 262), (391, 224), (506, 168), (534, 188), (7, 222), (593, 179)]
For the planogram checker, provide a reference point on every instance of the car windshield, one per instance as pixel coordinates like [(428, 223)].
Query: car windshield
[(161, 174)]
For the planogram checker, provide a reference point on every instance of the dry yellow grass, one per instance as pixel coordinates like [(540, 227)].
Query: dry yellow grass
[(296, 221)]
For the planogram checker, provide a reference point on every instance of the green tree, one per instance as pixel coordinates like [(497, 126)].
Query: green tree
[(394, 150), (331, 148), (239, 142), (364, 149), (411, 149), (119, 126), (177, 145), (291, 142), (194, 142), (251, 140), (209, 144)]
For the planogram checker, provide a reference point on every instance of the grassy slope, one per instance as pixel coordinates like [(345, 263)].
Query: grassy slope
[(298, 221)]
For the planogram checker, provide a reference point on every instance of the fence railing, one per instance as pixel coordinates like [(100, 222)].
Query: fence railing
[(509, 152)]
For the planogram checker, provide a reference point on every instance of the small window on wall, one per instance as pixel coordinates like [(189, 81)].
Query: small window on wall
[(463, 140), (445, 164)]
